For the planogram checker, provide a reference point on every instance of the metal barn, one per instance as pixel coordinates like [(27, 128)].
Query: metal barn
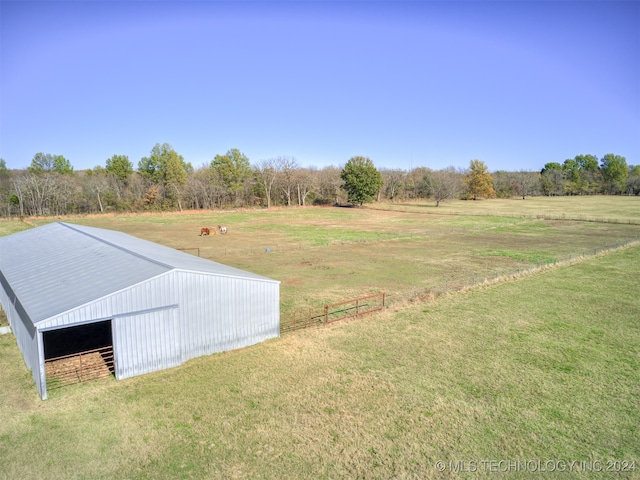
[(157, 307)]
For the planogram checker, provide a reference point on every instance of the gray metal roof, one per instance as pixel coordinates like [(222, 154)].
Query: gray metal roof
[(57, 267)]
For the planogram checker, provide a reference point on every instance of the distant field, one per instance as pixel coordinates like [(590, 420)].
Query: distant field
[(545, 368), (326, 255), (596, 207)]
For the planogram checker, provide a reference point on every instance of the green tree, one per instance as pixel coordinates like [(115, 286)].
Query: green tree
[(552, 179), (154, 167), (164, 168), (234, 169), (175, 179), (479, 181), (120, 166), (589, 173), (362, 181), (42, 162), (581, 174), (614, 172), (571, 169), (633, 180)]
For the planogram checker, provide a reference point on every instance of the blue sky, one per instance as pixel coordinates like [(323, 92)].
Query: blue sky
[(408, 84)]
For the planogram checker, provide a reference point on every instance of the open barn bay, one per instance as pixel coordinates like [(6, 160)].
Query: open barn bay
[(542, 368)]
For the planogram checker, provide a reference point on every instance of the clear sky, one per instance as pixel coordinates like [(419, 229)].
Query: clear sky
[(515, 84)]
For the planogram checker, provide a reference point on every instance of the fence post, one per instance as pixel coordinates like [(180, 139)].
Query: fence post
[(326, 313)]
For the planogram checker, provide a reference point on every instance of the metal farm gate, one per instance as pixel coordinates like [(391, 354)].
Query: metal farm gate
[(301, 319), (80, 367)]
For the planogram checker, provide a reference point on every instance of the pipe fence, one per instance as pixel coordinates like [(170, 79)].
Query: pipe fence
[(315, 317)]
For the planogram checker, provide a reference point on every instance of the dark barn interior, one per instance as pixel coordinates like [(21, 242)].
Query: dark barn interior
[(73, 340)]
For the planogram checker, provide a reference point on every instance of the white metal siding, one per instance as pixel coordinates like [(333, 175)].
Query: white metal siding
[(210, 314), (27, 339), (219, 313), (146, 343)]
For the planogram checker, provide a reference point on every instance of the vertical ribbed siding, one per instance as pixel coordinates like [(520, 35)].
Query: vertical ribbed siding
[(26, 338), (222, 313), (146, 343), (182, 315)]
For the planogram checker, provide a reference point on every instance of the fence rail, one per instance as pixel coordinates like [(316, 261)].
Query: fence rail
[(79, 367), (313, 317)]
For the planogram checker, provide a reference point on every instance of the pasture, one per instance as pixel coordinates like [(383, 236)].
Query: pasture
[(545, 367), (327, 255)]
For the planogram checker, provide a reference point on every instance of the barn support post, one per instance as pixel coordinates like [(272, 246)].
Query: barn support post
[(42, 388)]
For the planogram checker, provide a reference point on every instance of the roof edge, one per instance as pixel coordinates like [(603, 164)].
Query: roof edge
[(254, 276)]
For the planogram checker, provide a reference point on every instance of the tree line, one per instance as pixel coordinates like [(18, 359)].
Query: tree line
[(164, 181)]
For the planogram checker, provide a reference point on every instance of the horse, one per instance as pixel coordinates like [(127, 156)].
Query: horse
[(205, 231), (223, 230)]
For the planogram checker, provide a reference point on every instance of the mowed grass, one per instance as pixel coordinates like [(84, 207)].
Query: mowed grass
[(546, 368)]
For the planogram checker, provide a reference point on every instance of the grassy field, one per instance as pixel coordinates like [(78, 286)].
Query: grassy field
[(327, 255), (588, 208), (545, 368)]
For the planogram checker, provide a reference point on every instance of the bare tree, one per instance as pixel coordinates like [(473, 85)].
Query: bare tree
[(394, 181), (527, 182), (304, 178), (19, 187), (266, 173), (35, 192), (97, 183), (441, 184), (330, 184), (413, 182), (286, 167)]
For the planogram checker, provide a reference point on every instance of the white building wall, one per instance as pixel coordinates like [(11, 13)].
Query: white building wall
[(219, 314), (181, 315), (146, 343), (27, 339)]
